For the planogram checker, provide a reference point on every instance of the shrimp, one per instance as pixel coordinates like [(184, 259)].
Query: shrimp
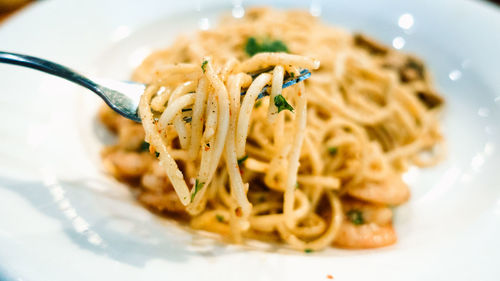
[(131, 137), (370, 235), (375, 213), (129, 164), (369, 228), (392, 191), (155, 179), (112, 120), (167, 201), (152, 182)]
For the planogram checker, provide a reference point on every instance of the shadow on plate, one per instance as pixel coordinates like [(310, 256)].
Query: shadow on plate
[(106, 223)]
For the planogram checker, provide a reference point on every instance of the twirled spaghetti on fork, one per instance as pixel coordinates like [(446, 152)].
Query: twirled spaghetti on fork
[(315, 164)]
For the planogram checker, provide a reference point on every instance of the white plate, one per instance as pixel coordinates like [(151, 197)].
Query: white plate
[(61, 218)]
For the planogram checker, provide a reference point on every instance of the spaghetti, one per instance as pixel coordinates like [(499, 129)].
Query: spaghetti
[(312, 165)]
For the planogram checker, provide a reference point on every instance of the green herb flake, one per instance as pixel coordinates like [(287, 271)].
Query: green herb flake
[(219, 218), (292, 74), (187, 119), (308, 251), (257, 104), (332, 150), (204, 65), (296, 185), (355, 216), (282, 104), (157, 154), (144, 146), (197, 187), (253, 46), (242, 159)]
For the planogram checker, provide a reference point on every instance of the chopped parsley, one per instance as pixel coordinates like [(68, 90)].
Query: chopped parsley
[(292, 74), (355, 216), (187, 119), (219, 218), (197, 187), (307, 251), (282, 104), (296, 185), (204, 65), (332, 150), (144, 146), (157, 154), (242, 159), (253, 46), (257, 104)]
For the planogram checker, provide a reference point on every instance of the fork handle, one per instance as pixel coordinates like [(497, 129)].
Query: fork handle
[(49, 67)]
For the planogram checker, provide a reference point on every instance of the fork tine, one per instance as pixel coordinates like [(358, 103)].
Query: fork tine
[(304, 74)]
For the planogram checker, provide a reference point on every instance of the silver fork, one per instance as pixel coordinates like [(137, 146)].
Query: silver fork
[(122, 96)]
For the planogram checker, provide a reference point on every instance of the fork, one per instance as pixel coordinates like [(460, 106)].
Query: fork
[(122, 96)]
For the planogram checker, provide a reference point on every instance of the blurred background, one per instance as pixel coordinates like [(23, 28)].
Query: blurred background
[(9, 7)]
